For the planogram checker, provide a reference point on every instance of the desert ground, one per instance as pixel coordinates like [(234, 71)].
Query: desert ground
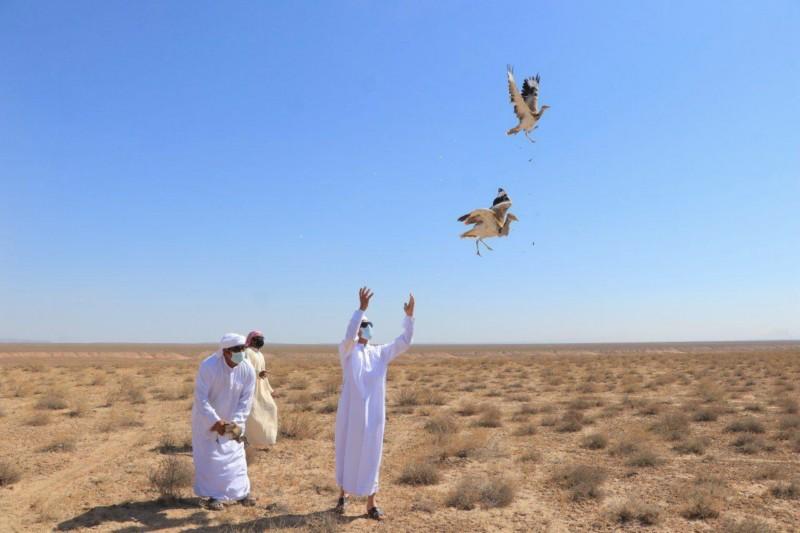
[(646, 437)]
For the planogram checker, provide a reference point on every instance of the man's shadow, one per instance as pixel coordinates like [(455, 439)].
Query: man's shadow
[(151, 515)]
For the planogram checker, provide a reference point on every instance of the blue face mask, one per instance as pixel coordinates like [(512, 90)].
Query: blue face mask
[(366, 332), (237, 357)]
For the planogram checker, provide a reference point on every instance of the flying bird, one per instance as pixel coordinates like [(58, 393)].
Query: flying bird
[(526, 105), (492, 222)]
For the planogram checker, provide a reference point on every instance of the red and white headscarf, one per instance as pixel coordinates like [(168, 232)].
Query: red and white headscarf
[(251, 335)]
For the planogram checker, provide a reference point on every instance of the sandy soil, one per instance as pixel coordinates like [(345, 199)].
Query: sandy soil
[(698, 437)]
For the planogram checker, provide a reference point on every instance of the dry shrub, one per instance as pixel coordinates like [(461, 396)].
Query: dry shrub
[(170, 477), (584, 402), (644, 458), (298, 425), (53, 399), (97, 380), (61, 443), (705, 413), (9, 473), (769, 471), (530, 456), (486, 491), (119, 419), (171, 443), (420, 471), (39, 419), (710, 392), (594, 441), (491, 417), (625, 512), (570, 422), (672, 426), (468, 408), (407, 397), (524, 430), (582, 481), (703, 499), (649, 409), (693, 445), (749, 444), (79, 407), (300, 383), (746, 424), (787, 422), (301, 401), (789, 405), (460, 445), (441, 424), (527, 409), (753, 407), (787, 490), (548, 421), (629, 443), (329, 407), (746, 525)]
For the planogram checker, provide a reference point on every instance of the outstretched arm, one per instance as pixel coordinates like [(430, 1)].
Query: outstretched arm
[(403, 342), (351, 334)]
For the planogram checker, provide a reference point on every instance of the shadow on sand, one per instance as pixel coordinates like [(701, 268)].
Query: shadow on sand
[(150, 515)]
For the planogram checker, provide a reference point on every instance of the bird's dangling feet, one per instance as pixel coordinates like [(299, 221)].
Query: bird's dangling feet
[(477, 250), (529, 137), (487, 246)]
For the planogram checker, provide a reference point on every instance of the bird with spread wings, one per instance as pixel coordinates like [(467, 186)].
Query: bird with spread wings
[(526, 104), (492, 222)]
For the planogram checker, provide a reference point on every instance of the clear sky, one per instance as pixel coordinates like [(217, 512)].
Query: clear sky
[(170, 171)]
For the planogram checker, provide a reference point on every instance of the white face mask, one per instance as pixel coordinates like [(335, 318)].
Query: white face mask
[(366, 332), (237, 357)]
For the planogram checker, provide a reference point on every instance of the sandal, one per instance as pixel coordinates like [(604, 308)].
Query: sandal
[(215, 505), (375, 513), (247, 501), (341, 505)]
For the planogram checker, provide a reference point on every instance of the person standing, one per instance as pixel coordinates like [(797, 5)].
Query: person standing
[(361, 414), (262, 424), (223, 394)]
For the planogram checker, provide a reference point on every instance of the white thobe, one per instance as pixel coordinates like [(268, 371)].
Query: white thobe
[(361, 416), (262, 424), (220, 393)]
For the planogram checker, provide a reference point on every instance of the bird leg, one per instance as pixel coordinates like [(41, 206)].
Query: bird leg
[(529, 137), (477, 250), (486, 245)]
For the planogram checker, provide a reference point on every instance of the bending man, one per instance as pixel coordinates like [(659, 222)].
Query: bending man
[(361, 416)]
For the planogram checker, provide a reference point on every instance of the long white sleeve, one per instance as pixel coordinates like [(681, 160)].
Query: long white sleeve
[(201, 388), (400, 344), (350, 335)]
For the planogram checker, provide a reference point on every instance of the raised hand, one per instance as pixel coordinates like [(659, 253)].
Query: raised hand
[(409, 307), (364, 295)]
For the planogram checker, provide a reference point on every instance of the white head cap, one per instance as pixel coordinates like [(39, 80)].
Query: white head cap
[(229, 340)]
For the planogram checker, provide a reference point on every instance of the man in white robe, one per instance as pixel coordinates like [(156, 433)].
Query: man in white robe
[(223, 393), (361, 416), (262, 424)]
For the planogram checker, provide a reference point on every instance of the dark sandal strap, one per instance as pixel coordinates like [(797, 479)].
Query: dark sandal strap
[(376, 513)]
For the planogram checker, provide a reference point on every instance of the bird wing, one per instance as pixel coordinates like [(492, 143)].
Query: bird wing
[(521, 109), (530, 92), (499, 211), (478, 216)]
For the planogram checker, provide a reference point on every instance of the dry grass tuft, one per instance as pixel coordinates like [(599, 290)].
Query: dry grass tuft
[(298, 425), (119, 419), (488, 492), (460, 445), (38, 420), (582, 481), (61, 443), (9, 473), (442, 424), (419, 471), (594, 441), (525, 430), (53, 399), (170, 477), (672, 426), (644, 458), (693, 445), (703, 499), (633, 510), (491, 417), (747, 525), (170, 443), (80, 407), (468, 408), (747, 424), (786, 490), (570, 422)]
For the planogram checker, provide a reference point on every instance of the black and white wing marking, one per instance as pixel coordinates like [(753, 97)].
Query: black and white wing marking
[(530, 92)]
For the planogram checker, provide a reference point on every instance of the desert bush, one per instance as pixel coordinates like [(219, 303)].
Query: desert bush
[(749, 443), (486, 491), (408, 397), (298, 425), (79, 407), (171, 443), (9, 473), (419, 471), (754, 407), (61, 443), (702, 500), (530, 456), (787, 490), (632, 510), (746, 525), (491, 417), (746, 424), (789, 405), (97, 380), (570, 422), (468, 408), (644, 458), (524, 430), (460, 445), (694, 445), (594, 441), (582, 481), (548, 421), (38, 419), (672, 426), (527, 409), (119, 419), (787, 422), (53, 399), (769, 471), (710, 392), (329, 407), (170, 477), (705, 413), (298, 383), (442, 423), (630, 443)]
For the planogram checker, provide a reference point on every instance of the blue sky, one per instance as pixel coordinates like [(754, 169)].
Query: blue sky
[(170, 171)]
